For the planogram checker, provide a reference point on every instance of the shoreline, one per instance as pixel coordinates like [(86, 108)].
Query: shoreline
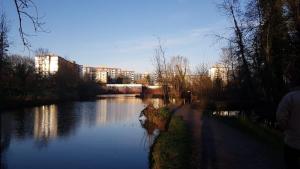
[(18, 104)]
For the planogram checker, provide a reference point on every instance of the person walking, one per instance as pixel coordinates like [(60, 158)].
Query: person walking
[(288, 117)]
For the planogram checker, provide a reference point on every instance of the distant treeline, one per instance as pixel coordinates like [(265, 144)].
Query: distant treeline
[(20, 84)]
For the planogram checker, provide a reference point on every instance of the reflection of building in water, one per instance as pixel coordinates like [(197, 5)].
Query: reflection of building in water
[(226, 113), (113, 110), (101, 112), (45, 122)]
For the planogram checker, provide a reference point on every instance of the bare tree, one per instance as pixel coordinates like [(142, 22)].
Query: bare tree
[(42, 52), (4, 71), (23, 8), (229, 63), (161, 70), (3, 37), (178, 70), (201, 82)]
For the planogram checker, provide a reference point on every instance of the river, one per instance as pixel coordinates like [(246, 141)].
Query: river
[(105, 133)]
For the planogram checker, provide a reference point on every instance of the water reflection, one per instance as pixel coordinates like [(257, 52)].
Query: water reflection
[(226, 113), (65, 135), (45, 122)]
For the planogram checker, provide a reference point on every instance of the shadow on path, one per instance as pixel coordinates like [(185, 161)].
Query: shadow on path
[(216, 145), (208, 149)]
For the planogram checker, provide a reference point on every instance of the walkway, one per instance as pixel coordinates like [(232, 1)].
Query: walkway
[(219, 146)]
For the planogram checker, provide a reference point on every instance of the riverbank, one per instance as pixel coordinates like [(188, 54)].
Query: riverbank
[(22, 102), (28, 101), (171, 147)]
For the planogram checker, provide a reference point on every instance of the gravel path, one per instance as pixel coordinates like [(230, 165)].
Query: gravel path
[(219, 146)]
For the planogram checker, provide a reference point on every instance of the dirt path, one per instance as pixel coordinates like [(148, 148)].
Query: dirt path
[(219, 146)]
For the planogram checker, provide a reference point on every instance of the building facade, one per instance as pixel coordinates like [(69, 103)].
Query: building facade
[(128, 74), (219, 71), (151, 78), (50, 64), (106, 74), (101, 76)]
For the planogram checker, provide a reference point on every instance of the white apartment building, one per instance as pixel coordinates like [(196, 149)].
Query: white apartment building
[(142, 76), (51, 64), (47, 64), (129, 74), (101, 76), (219, 71)]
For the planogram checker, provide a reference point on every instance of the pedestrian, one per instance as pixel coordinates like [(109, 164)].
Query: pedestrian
[(189, 96), (288, 117)]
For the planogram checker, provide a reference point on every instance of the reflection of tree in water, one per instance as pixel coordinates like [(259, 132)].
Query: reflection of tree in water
[(6, 131), (13, 125), (6, 134), (3, 164), (23, 123), (68, 118)]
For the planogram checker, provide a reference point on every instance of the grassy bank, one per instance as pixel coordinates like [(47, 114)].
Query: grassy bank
[(171, 148)]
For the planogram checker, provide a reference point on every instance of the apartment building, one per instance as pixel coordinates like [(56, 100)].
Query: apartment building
[(50, 64), (138, 77), (128, 74), (219, 71), (101, 76), (106, 74)]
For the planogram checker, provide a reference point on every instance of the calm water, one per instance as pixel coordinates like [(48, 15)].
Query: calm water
[(80, 135)]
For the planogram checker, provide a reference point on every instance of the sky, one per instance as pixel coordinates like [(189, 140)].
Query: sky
[(123, 33)]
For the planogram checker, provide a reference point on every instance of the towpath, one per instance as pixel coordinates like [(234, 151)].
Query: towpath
[(216, 145)]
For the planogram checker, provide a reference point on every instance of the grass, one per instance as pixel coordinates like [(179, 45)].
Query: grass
[(171, 148), (164, 113)]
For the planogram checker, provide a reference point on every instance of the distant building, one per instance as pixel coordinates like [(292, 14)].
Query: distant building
[(51, 64), (153, 79), (140, 77), (113, 73), (128, 74), (106, 74), (89, 72), (219, 71), (101, 76)]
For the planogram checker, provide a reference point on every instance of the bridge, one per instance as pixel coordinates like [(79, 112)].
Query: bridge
[(133, 89)]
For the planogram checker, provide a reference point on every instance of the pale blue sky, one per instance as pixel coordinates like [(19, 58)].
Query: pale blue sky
[(123, 33)]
